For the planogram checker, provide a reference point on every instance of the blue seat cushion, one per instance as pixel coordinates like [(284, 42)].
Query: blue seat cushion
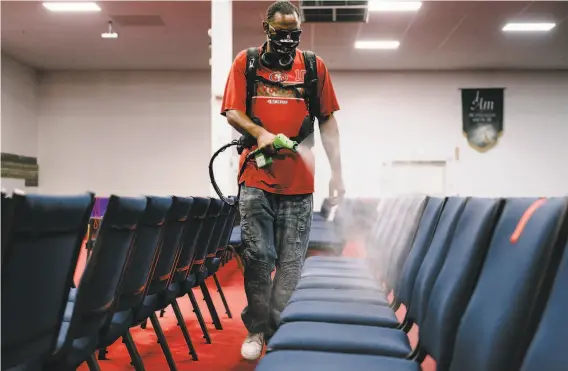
[(213, 267), (340, 295), (235, 239), (286, 360), (338, 262), (338, 266), (324, 236), (120, 323), (338, 283), (346, 312), (350, 272), (345, 259), (335, 337)]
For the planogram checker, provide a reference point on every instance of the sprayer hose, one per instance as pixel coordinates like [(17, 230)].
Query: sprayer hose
[(212, 175)]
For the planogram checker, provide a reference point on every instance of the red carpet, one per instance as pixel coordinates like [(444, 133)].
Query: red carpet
[(224, 352)]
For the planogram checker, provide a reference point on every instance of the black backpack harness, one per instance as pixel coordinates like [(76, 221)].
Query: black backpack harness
[(310, 96)]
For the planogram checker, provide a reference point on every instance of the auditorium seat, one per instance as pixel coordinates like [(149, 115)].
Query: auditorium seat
[(133, 286), (547, 350), (212, 262), (499, 309), (222, 252), (198, 268), (157, 296), (40, 252), (97, 290), (184, 279), (6, 209), (403, 289), (221, 255)]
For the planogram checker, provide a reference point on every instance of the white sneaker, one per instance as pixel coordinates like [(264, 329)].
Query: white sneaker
[(251, 350)]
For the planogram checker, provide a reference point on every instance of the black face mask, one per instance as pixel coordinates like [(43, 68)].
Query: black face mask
[(283, 44)]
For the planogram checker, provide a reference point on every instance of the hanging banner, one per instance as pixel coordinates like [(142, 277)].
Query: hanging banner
[(482, 112)]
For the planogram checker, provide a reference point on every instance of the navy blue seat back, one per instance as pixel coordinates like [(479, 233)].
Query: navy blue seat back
[(97, 290), (171, 244), (218, 231), (404, 234), (146, 249), (548, 347), (6, 207), (457, 278), (434, 259), (206, 232), (191, 232), (420, 246), (41, 252), (502, 304), (224, 242)]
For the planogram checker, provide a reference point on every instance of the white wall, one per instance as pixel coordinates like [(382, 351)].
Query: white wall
[(124, 132), (147, 132), (417, 116), (19, 131)]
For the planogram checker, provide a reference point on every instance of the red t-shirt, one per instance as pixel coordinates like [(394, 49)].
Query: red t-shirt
[(280, 112)]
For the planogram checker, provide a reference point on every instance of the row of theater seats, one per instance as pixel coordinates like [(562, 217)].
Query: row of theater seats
[(149, 252), (484, 280)]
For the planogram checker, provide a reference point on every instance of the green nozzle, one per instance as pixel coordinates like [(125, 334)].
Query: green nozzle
[(281, 141)]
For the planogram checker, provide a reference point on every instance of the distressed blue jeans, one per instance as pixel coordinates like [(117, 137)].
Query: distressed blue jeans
[(275, 234)]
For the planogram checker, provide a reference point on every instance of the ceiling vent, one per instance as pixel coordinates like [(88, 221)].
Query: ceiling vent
[(334, 11), (138, 20)]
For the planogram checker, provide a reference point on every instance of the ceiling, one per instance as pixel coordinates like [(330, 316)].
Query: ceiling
[(173, 35)]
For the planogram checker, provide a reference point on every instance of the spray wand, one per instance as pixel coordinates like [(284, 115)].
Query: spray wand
[(262, 160), (281, 141)]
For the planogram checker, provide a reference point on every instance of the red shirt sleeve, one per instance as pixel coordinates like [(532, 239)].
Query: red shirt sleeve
[(328, 100), (235, 97)]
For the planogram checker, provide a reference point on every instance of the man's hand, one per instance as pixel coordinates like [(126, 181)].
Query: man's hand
[(265, 142), (336, 189)]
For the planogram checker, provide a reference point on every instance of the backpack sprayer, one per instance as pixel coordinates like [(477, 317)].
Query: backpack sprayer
[(261, 158), (280, 141)]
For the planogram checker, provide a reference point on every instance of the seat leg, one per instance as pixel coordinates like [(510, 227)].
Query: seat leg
[(162, 312), (133, 352), (163, 342), (102, 354), (418, 354), (394, 305), (199, 316), (222, 294), (211, 306), (93, 363), (184, 331), (406, 325), (143, 324)]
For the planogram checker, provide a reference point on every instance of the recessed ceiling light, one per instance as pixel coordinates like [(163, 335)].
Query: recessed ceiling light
[(393, 6), (65, 6), (528, 27), (110, 34), (377, 44)]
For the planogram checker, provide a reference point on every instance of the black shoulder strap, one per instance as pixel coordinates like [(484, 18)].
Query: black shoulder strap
[(252, 65), (311, 84)]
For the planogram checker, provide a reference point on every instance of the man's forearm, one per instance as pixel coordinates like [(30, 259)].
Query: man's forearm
[(330, 140), (243, 124)]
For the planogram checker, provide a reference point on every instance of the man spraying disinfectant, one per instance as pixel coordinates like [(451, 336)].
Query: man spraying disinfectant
[(273, 96)]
